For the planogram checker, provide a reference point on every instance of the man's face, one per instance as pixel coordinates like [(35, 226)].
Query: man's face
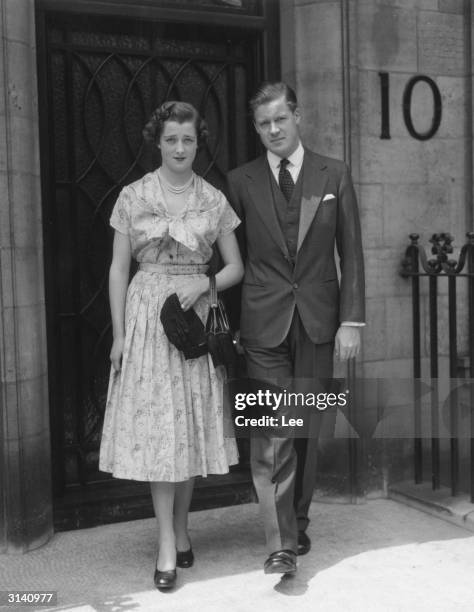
[(277, 127)]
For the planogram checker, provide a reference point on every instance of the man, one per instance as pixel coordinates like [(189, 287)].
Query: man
[(295, 207)]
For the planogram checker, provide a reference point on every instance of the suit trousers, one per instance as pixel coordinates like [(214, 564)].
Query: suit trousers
[(284, 466)]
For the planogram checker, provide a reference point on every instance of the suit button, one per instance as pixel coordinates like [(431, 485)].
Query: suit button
[(295, 285)]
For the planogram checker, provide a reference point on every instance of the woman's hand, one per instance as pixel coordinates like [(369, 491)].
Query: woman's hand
[(190, 293), (116, 353)]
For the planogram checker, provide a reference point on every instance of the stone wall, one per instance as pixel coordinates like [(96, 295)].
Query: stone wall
[(25, 471), (405, 185)]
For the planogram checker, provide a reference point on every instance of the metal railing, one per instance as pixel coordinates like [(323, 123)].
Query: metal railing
[(439, 269)]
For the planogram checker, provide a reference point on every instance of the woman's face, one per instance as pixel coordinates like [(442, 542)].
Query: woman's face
[(178, 145)]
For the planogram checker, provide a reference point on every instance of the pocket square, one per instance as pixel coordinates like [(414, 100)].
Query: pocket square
[(329, 196)]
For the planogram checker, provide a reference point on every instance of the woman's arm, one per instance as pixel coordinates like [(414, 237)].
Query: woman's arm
[(118, 283), (233, 270), (231, 273)]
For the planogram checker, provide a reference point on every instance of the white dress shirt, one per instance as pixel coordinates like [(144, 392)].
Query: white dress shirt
[(295, 162)]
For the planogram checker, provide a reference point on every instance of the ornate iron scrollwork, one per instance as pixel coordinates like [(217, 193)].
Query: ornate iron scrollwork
[(442, 246), (105, 78)]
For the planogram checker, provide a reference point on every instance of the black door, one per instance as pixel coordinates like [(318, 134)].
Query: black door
[(100, 76)]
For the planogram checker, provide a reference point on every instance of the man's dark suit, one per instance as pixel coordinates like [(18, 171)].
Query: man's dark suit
[(289, 300)]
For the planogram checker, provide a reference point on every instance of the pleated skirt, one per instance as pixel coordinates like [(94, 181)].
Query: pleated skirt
[(165, 418)]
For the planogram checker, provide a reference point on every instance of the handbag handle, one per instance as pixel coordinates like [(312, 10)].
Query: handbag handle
[(220, 320), (213, 291)]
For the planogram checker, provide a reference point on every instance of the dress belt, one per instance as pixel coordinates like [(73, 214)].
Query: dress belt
[(156, 268)]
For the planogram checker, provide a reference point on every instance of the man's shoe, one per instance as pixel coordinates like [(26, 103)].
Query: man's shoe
[(185, 559), (165, 579), (280, 562), (304, 543)]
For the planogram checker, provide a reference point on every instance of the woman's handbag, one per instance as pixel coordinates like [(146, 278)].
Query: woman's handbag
[(220, 342), (184, 330)]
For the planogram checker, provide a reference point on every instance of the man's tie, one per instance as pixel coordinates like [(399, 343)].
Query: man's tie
[(285, 181)]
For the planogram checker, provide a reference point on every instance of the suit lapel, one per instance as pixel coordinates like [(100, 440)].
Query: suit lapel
[(314, 183), (260, 190)]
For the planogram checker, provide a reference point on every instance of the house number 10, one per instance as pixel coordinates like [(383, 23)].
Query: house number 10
[(407, 94)]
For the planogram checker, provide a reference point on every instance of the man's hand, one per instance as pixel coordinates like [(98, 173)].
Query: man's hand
[(347, 342)]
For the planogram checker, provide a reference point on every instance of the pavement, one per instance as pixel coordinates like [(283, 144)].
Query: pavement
[(377, 556)]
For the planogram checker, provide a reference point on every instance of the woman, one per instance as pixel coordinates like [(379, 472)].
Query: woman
[(164, 414)]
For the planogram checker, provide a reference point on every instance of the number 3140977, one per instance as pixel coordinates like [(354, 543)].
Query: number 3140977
[(29, 597)]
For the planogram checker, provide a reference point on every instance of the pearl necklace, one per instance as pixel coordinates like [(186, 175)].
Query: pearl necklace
[(177, 189)]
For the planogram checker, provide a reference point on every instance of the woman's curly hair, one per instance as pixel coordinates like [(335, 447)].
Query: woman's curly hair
[(180, 112)]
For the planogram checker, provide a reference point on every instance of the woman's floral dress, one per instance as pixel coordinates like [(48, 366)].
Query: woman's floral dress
[(165, 417)]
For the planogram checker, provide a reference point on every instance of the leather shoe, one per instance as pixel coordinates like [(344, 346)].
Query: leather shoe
[(185, 558), (165, 579), (280, 562), (304, 543)]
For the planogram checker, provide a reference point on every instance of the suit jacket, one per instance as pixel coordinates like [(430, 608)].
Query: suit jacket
[(272, 285)]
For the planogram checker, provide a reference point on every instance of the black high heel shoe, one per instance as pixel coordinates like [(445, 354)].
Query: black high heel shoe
[(185, 559), (165, 579)]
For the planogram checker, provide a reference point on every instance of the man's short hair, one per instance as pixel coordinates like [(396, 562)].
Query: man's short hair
[(269, 91)]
